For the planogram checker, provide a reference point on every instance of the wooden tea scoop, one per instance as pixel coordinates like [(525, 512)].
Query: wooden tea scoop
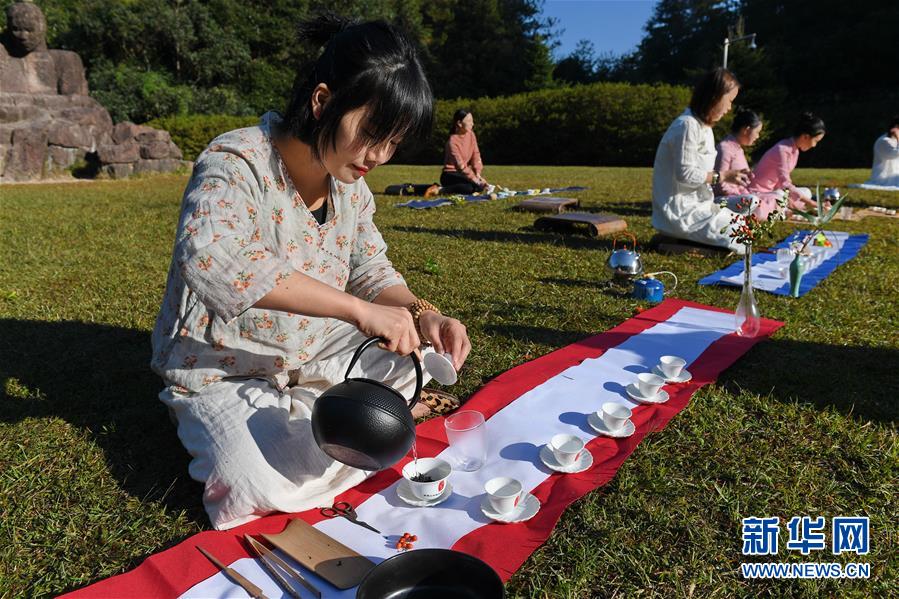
[(265, 554), (231, 573)]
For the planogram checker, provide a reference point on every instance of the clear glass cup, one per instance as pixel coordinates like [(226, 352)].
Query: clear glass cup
[(784, 254), (467, 435)]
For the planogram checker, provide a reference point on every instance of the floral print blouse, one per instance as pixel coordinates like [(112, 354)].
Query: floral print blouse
[(243, 228)]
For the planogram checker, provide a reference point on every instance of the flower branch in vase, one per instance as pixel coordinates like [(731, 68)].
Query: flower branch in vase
[(824, 213), (747, 229)]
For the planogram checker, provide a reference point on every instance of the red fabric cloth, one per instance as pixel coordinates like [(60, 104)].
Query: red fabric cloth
[(504, 546)]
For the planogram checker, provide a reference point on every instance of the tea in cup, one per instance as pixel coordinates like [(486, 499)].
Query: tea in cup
[(566, 448), (649, 384), (427, 477), (503, 493)]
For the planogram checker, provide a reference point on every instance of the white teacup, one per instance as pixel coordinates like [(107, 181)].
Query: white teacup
[(672, 366), (503, 493), (614, 415), (649, 384), (434, 468), (566, 448)]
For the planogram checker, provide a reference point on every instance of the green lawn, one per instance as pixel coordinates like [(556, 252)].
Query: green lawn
[(93, 478)]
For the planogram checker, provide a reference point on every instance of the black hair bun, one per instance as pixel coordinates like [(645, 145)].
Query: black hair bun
[(319, 30)]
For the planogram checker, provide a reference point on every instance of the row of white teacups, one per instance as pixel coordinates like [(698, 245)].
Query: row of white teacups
[(504, 499)]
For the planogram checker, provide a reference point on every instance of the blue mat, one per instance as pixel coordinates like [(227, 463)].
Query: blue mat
[(851, 245), (438, 202)]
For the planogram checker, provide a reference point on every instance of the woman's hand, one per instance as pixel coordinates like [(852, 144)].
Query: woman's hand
[(447, 335), (392, 323), (738, 176)]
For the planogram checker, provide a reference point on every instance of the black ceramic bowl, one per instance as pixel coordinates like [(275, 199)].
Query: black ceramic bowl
[(431, 574)]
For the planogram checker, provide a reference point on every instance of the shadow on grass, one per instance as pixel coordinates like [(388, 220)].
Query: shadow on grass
[(538, 335), (854, 380), (620, 208), (578, 239), (97, 377), (606, 286)]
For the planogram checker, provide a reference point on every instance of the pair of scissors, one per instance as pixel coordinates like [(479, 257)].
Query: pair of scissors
[(345, 510)]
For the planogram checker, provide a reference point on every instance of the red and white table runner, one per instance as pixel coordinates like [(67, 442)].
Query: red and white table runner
[(524, 408)]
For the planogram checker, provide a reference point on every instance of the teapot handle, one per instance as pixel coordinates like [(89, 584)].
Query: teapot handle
[(415, 361), (625, 234)]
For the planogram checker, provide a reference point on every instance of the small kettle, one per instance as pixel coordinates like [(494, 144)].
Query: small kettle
[(364, 423), (624, 263), (649, 289)]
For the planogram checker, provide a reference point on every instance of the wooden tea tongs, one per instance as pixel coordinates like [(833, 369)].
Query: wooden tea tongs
[(235, 576), (272, 562)]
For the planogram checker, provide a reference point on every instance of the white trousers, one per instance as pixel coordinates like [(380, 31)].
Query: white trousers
[(252, 444)]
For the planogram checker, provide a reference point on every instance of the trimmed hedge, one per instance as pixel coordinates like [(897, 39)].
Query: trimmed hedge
[(598, 124), (614, 124), (609, 124), (602, 124)]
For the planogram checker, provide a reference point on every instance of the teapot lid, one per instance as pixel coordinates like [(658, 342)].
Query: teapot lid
[(440, 367)]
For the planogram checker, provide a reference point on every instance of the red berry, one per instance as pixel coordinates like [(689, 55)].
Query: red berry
[(413, 538)]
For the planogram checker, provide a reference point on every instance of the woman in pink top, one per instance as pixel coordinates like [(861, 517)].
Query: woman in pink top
[(744, 131), (462, 166), (772, 173)]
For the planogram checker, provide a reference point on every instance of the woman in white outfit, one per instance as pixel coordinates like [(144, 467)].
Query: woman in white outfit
[(885, 171), (683, 203)]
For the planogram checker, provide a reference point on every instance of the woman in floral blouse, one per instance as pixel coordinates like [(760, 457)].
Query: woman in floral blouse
[(278, 273)]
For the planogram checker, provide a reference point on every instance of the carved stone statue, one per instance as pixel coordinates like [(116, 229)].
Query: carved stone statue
[(28, 67), (49, 123)]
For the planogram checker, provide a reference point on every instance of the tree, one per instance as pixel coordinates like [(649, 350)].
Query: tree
[(579, 66), (157, 57)]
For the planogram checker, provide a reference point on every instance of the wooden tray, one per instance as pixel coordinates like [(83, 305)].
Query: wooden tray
[(556, 205), (598, 224), (333, 561)]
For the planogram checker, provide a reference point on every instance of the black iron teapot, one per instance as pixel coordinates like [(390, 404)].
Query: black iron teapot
[(364, 423)]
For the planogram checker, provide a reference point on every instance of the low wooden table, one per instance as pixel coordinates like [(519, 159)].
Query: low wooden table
[(597, 224), (550, 204)]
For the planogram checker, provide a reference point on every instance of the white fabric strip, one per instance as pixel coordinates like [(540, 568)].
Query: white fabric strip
[(766, 275), (515, 435)]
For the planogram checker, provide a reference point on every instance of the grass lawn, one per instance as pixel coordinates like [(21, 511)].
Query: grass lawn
[(93, 478)]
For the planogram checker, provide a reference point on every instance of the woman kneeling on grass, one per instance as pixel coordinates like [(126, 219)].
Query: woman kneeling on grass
[(462, 166), (683, 204), (279, 273), (744, 131), (773, 171)]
